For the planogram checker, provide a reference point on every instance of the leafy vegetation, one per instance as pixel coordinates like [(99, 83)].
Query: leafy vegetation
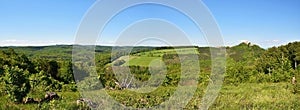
[(255, 78), (16, 83)]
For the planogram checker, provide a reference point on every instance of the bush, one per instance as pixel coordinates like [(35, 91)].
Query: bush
[(296, 88), (69, 87), (16, 83), (42, 82), (90, 83)]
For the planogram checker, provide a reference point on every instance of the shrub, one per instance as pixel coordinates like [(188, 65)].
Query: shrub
[(296, 88), (16, 83)]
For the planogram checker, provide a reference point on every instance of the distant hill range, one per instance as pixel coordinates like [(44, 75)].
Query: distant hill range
[(238, 52)]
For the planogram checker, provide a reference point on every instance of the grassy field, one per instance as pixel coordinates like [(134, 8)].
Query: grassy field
[(159, 53), (265, 96), (247, 96), (142, 61), (152, 57), (67, 101)]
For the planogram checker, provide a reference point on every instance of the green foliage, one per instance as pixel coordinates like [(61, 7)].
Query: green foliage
[(257, 96), (42, 82), (142, 100), (244, 52), (249, 63), (296, 88), (90, 83), (140, 73), (255, 78), (50, 67), (65, 72), (11, 58), (16, 83), (276, 63)]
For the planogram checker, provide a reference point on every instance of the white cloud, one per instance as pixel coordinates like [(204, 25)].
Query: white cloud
[(262, 43), (106, 43), (13, 42), (9, 41), (271, 43)]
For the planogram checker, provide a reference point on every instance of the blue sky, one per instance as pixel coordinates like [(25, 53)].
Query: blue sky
[(47, 22), (265, 22)]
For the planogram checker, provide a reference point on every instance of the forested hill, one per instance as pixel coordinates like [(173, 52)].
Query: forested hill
[(239, 53), (243, 51), (57, 52)]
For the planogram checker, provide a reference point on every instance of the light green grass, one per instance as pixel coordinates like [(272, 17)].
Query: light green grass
[(247, 96), (142, 61), (67, 101), (154, 57), (158, 53), (266, 96)]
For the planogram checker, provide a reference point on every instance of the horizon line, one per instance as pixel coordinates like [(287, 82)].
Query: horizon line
[(110, 45)]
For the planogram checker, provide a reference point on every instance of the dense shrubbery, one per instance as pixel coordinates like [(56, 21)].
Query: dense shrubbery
[(249, 63), (16, 83), (21, 75)]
